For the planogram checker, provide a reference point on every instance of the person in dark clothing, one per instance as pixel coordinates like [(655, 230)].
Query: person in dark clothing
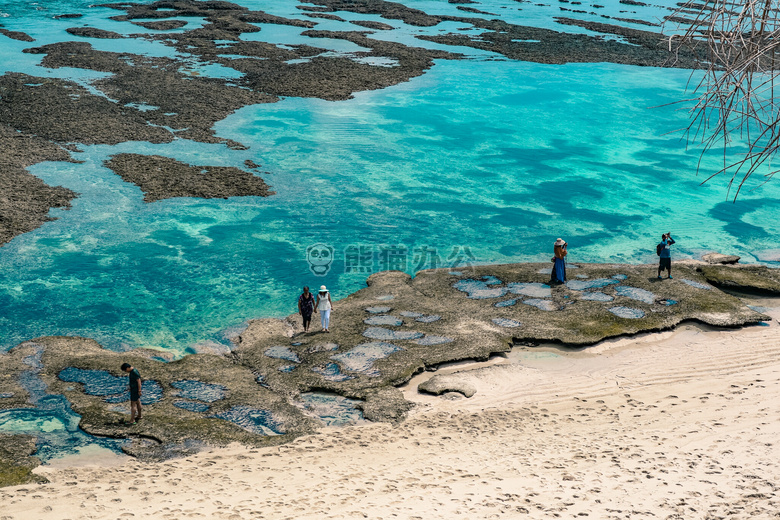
[(135, 392), (665, 254), (306, 307)]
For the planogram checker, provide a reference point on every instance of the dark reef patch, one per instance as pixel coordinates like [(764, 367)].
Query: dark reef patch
[(389, 10), (162, 25), (25, 200), (225, 16), (370, 24), (92, 32), (17, 35), (11, 367), (539, 45), (336, 78), (325, 16), (187, 104), (164, 178), (473, 10), (62, 111)]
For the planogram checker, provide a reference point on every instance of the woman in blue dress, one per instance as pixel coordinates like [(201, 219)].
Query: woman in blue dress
[(559, 264)]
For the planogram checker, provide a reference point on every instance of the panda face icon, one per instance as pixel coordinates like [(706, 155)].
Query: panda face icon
[(320, 258)]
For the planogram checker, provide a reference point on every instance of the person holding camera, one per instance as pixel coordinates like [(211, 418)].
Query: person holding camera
[(665, 262)]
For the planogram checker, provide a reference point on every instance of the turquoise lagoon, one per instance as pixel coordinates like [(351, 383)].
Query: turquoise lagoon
[(477, 161)]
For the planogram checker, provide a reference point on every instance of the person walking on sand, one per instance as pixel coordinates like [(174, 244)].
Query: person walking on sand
[(306, 307), (324, 305), (663, 250), (135, 392), (559, 264)]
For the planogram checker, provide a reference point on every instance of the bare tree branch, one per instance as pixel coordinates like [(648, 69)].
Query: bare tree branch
[(737, 45)]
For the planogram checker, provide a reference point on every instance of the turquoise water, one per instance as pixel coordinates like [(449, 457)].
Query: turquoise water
[(52, 421), (476, 161)]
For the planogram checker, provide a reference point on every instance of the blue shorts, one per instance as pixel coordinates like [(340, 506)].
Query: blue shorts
[(666, 263)]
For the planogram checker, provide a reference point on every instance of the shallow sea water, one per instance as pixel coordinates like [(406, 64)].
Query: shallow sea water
[(486, 172), (489, 160)]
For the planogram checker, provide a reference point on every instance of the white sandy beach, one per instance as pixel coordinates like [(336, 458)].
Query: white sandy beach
[(676, 425)]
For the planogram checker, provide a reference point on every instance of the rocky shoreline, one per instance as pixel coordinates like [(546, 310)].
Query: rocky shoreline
[(383, 335)]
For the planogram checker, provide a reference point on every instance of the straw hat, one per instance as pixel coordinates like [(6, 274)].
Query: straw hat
[(559, 242), (323, 288)]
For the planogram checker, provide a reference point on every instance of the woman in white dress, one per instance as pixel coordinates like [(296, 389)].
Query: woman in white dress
[(324, 306)]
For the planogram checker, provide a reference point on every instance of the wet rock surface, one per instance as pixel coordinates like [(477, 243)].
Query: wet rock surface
[(631, 300), (750, 278), (17, 460), (162, 177), (368, 362), (240, 414), (12, 394)]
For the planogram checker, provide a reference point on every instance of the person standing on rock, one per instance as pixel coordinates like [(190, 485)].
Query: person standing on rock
[(559, 264), (324, 305), (665, 262), (306, 307), (135, 392)]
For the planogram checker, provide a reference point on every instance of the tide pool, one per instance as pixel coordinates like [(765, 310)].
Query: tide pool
[(476, 161)]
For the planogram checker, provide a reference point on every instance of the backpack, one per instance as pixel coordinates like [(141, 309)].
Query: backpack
[(659, 248)]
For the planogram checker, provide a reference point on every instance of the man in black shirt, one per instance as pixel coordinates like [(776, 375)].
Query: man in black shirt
[(135, 392)]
